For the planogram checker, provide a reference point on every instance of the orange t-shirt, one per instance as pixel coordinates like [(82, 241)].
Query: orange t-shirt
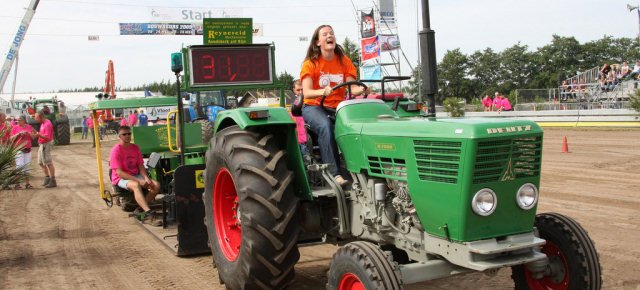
[(328, 73)]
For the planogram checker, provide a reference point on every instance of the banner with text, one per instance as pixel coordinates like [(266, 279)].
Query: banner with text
[(228, 31), (190, 14), (387, 14), (160, 29), (367, 24), (371, 72), (369, 48), (388, 42)]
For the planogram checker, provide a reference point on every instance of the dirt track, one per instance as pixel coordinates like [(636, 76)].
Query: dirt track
[(67, 238)]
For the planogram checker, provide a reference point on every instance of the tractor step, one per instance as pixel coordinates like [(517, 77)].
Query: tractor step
[(324, 192)]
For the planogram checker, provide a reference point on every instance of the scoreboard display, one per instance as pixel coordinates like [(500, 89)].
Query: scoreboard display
[(230, 65)]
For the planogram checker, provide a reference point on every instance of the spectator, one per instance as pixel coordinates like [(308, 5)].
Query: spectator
[(505, 105), (128, 172), (12, 121), (610, 82), (496, 102), (486, 103), (565, 90), (123, 121), (5, 129), (84, 128), (45, 139), (142, 119), (133, 118), (90, 126), (625, 70), (22, 133), (62, 109), (604, 71), (300, 128)]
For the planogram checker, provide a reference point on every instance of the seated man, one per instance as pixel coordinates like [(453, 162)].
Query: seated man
[(128, 172)]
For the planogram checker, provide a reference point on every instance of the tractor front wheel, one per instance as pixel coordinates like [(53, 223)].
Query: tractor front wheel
[(573, 260), (207, 130), (251, 210), (363, 265)]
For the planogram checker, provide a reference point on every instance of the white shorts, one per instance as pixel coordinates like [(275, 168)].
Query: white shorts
[(23, 160)]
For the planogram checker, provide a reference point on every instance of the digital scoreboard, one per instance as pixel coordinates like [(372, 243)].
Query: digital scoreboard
[(230, 65)]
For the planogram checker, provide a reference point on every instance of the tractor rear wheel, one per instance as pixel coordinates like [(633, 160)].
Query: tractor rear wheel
[(573, 260), (63, 132), (250, 210), (207, 130), (362, 265)]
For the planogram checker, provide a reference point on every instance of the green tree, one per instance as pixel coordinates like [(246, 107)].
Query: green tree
[(453, 76), (352, 51), (415, 83), (516, 68), (454, 106), (286, 79), (634, 101), (484, 69)]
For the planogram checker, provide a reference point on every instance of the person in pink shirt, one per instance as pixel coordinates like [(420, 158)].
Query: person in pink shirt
[(89, 123), (496, 102), (45, 138), (5, 129), (486, 103), (505, 105), (123, 121), (133, 118), (22, 133), (300, 128), (128, 172)]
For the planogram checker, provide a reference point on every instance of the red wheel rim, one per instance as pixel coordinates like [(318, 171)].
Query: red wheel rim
[(550, 282), (350, 281), (226, 216)]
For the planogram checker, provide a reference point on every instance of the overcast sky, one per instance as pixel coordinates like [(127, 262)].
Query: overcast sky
[(56, 53)]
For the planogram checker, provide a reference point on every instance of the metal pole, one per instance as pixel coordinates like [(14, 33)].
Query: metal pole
[(428, 60), (180, 120)]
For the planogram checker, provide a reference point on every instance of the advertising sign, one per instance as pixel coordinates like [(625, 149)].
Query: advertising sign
[(228, 31), (387, 14), (371, 72), (367, 24), (369, 48), (160, 29), (388, 42)]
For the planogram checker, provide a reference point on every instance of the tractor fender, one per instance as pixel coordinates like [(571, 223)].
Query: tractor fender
[(282, 125)]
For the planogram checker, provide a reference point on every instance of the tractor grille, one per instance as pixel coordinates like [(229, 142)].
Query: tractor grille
[(438, 161), (507, 159), (388, 167)]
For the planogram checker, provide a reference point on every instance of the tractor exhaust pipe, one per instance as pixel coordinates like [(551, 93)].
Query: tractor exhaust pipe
[(428, 61)]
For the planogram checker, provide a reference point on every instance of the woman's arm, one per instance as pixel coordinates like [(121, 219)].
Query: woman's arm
[(309, 93)]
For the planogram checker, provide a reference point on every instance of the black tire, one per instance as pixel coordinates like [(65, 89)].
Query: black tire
[(207, 130), (363, 264), (62, 134), (252, 167), (571, 252)]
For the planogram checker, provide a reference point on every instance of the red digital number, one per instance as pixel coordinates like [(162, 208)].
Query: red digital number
[(259, 66), (243, 66), (209, 70)]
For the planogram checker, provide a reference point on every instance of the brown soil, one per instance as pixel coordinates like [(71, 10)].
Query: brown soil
[(67, 238)]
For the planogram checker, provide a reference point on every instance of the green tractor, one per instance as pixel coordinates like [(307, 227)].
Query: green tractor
[(56, 113), (430, 198)]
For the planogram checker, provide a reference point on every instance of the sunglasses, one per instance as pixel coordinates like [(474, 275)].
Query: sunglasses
[(125, 134)]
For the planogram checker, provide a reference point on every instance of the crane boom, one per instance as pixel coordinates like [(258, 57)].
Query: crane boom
[(16, 42)]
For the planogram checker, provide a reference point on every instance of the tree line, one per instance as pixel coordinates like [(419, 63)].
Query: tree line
[(487, 71)]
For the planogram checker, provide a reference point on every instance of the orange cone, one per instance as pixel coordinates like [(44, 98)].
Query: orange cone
[(565, 146)]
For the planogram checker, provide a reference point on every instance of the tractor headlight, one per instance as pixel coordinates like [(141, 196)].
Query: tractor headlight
[(484, 202), (527, 196)]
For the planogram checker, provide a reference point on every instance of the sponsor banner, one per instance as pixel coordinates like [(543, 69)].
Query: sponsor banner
[(369, 48), (387, 14), (371, 72), (190, 14), (160, 29), (228, 31), (388, 42), (367, 24)]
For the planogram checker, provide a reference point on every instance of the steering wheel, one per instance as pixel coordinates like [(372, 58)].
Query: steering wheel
[(348, 89)]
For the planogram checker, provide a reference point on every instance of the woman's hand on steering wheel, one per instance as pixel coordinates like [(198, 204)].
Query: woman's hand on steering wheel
[(366, 90)]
